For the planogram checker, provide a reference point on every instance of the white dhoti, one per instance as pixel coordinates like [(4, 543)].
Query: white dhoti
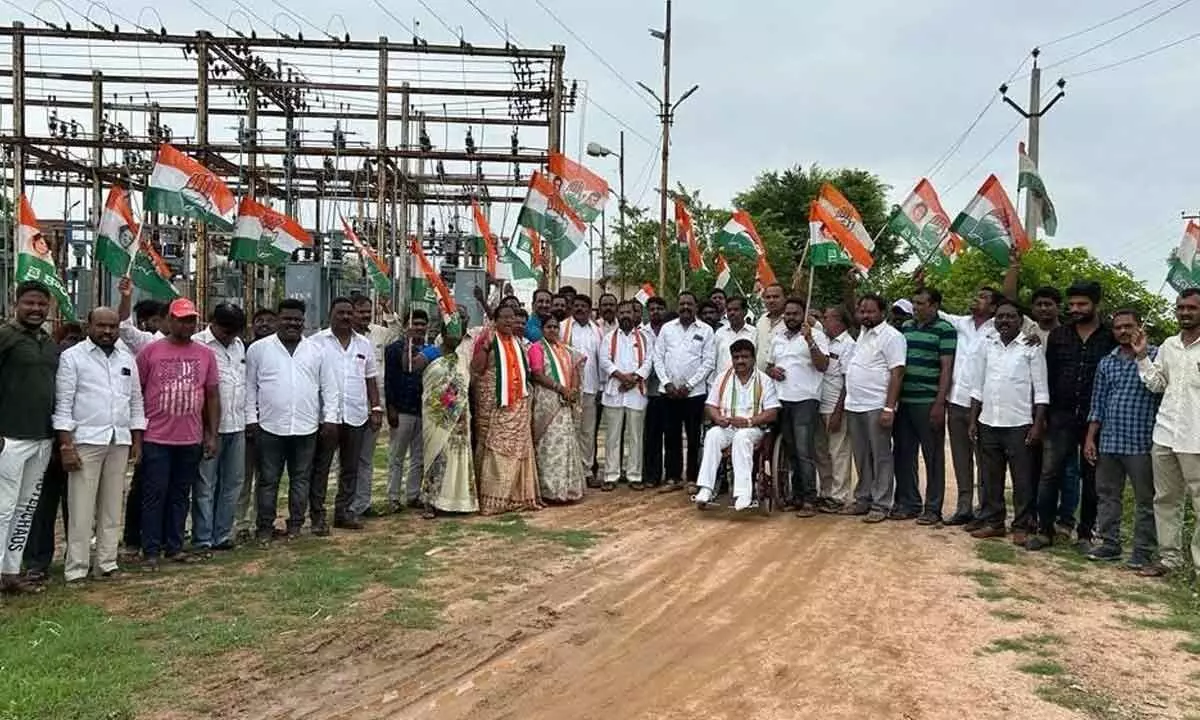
[(743, 442)]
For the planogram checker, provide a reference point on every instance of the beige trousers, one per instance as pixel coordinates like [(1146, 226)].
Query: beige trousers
[(95, 498), (833, 461), (633, 421), (585, 431), (1176, 476)]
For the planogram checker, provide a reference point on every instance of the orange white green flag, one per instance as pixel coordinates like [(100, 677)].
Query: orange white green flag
[(584, 191), (990, 223), (644, 293), (264, 236), (425, 285), (739, 237), (117, 234), (686, 235), (1183, 268), (489, 240), (925, 226), (181, 187), (376, 269), (36, 262), (547, 213), (724, 275), (842, 220)]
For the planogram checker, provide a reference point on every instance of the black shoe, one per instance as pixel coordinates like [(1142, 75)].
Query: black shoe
[(371, 513), (929, 518), (350, 523), (959, 519), (902, 515), (1038, 542), (975, 524), (320, 530), (857, 509), (223, 546), (1106, 552)]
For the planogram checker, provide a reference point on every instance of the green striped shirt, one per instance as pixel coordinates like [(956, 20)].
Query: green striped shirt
[(927, 345)]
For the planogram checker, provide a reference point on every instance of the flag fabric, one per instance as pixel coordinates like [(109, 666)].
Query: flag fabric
[(724, 276), (182, 187), (376, 269), (151, 274), (739, 237), (687, 237), (584, 191), (1029, 178), (1183, 269), (546, 213), (425, 284), (823, 248), (990, 223), (644, 293), (518, 268), (263, 236), (489, 240), (117, 233), (842, 221), (35, 261), (925, 226), (763, 272)]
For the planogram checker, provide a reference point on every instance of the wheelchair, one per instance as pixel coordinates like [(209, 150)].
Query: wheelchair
[(769, 475)]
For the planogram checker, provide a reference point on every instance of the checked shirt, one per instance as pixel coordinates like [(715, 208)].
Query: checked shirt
[(1123, 406)]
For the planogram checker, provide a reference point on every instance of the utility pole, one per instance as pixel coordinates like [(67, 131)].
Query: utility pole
[(667, 116), (1034, 117)]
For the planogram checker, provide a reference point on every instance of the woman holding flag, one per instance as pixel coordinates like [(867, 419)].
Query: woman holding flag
[(556, 378), (506, 467)]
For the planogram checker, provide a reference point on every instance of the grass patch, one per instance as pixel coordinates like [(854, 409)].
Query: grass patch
[(1072, 697), (1190, 646), (1007, 615), (996, 551), (985, 578), (1046, 668), (514, 527), (417, 614), (1023, 644)]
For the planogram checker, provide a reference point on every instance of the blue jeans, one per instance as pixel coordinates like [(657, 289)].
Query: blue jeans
[(215, 496), (168, 472), (1069, 500)]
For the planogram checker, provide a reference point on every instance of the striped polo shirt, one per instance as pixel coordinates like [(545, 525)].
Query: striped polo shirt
[(927, 345)]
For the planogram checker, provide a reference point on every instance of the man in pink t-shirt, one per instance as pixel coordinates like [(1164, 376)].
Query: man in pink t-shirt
[(183, 409)]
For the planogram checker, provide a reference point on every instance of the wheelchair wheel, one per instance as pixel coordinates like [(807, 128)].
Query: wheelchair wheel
[(780, 474)]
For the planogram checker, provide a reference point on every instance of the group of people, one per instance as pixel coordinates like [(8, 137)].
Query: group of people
[(503, 417)]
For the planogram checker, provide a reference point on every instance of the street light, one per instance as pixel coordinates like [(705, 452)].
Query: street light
[(595, 149)]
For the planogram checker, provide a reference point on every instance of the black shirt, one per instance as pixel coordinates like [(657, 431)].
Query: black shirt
[(28, 363), (401, 383), (1071, 369)]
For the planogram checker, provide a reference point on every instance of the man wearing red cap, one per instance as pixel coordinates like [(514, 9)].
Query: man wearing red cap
[(183, 410)]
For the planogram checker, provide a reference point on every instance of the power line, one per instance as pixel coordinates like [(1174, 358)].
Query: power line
[(501, 31), (944, 158), (437, 17), (1139, 56), (985, 156), (621, 122), (397, 20), (1099, 25), (303, 19), (632, 88), (1118, 36)]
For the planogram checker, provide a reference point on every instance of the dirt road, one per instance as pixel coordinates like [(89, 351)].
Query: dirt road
[(681, 614)]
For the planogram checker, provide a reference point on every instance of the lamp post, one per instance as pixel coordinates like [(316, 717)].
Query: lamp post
[(598, 150)]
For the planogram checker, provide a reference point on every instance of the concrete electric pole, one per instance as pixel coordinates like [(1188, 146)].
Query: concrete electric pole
[(1034, 117)]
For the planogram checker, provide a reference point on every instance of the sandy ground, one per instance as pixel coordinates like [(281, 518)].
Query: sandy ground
[(682, 614)]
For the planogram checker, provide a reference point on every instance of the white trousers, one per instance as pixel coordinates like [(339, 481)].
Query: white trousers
[(633, 420), (743, 440), (22, 465), (95, 500), (585, 431), (833, 460)]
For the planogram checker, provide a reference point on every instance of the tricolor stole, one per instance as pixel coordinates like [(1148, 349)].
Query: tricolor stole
[(558, 362), (512, 373), (733, 394), (639, 348)]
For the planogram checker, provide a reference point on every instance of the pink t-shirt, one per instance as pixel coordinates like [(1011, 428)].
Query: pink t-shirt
[(174, 378)]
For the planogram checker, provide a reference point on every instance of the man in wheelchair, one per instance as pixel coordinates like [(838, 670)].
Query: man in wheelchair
[(741, 402)]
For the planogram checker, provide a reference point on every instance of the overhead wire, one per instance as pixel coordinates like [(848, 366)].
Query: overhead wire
[(501, 31), (1097, 26), (405, 26), (1118, 36), (450, 29), (1133, 58)]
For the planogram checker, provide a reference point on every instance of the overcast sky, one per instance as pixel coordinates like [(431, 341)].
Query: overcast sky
[(880, 85)]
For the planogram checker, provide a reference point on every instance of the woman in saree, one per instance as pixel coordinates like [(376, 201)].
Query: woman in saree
[(505, 464), (556, 376), (448, 484)]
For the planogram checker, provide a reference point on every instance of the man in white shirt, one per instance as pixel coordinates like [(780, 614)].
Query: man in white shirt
[(143, 323), (873, 379), (833, 454), (360, 413), (219, 484), (291, 389), (1175, 373), (380, 336), (655, 420), (99, 418), (606, 315), (583, 335), (741, 402), (734, 329), (1010, 394), (626, 357), (795, 362), (770, 323), (683, 360)]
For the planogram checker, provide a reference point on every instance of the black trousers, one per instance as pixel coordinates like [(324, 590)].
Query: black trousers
[(132, 535), (348, 446), (39, 550), (1064, 439), (684, 416), (652, 440), (1003, 449)]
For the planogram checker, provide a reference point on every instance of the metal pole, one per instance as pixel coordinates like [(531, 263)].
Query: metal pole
[(555, 139), (249, 270), (1035, 110), (101, 278), (201, 289), (381, 173), (402, 287), (18, 80), (666, 153)]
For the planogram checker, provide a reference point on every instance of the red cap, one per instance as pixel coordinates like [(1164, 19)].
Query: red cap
[(183, 308)]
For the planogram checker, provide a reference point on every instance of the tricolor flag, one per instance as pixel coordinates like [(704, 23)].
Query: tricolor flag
[(1029, 178), (182, 187), (489, 240), (117, 235), (35, 261), (842, 220), (644, 293), (546, 213), (376, 268), (724, 276), (990, 223), (687, 237), (925, 226), (739, 237), (823, 248), (763, 272), (1183, 269), (425, 284), (151, 274), (265, 237), (585, 191)]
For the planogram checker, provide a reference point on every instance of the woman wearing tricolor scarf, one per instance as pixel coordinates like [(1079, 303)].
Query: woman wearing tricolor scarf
[(507, 469), (556, 383)]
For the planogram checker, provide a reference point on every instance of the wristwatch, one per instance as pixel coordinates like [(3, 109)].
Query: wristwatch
[(376, 409), (889, 409)]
